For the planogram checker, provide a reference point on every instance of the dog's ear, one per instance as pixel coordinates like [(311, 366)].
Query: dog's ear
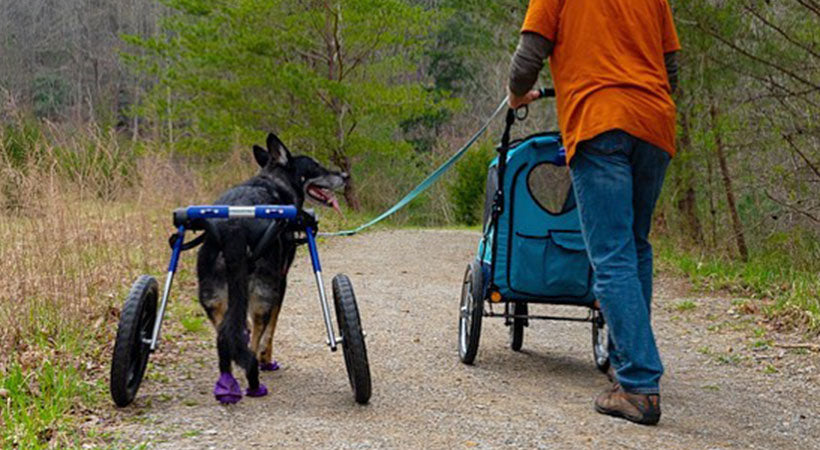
[(278, 151), (261, 156)]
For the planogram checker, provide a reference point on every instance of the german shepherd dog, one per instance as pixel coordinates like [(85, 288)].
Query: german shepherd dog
[(241, 283)]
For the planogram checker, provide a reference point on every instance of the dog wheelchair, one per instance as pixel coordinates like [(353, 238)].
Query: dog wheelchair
[(532, 250), (141, 318)]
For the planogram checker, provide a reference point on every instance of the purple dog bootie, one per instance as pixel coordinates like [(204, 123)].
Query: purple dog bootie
[(269, 367), (261, 391), (227, 389)]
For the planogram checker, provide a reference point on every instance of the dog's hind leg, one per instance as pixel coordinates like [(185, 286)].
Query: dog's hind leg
[(231, 344), (260, 310), (267, 362), (213, 284)]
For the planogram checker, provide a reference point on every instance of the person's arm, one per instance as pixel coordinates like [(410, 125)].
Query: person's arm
[(528, 61), (671, 45), (538, 34), (671, 60)]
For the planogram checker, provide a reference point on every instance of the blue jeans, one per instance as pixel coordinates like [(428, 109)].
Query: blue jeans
[(617, 179)]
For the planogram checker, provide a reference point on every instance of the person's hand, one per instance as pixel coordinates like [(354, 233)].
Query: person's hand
[(517, 101)]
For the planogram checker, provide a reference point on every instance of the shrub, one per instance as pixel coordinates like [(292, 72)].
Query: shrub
[(50, 95), (467, 190)]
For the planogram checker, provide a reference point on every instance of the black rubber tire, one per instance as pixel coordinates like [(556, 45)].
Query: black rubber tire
[(471, 312), (600, 341), (353, 346), (130, 351), (517, 326)]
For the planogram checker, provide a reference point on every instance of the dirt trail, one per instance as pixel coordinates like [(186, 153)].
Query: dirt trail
[(408, 285)]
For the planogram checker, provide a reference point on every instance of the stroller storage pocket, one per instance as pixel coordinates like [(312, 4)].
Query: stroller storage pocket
[(555, 265)]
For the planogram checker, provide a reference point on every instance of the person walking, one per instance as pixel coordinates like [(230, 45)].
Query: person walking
[(614, 68)]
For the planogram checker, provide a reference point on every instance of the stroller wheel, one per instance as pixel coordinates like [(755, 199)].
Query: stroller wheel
[(131, 348), (600, 341), (517, 326), (470, 313)]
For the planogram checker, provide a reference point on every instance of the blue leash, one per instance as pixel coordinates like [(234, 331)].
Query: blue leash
[(424, 185)]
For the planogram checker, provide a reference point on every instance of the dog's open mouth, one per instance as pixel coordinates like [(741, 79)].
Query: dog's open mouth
[(323, 196)]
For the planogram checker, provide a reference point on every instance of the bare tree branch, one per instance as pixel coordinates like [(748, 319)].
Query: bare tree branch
[(780, 31), (791, 207), (746, 53), (812, 166)]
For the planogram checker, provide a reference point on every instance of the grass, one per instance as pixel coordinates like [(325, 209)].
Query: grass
[(686, 305), (64, 281), (73, 241), (71, 246), (39, 400), (784, 285), (193, 324), (762, 344)]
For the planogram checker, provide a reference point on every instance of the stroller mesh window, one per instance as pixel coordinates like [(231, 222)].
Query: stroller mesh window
[(549, 186)]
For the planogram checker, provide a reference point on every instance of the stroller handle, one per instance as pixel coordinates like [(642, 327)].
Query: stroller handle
[(546, 93), (522, 112)]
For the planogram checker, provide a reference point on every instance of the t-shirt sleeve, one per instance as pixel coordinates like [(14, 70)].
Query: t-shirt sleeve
[(670, 34), (542, 18)]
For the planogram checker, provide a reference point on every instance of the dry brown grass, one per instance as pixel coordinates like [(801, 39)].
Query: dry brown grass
[(71, 244)]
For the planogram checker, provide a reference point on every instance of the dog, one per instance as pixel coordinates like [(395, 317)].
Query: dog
[(243, 264)]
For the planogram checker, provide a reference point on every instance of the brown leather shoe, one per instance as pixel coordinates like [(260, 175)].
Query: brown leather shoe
[(638, 408)]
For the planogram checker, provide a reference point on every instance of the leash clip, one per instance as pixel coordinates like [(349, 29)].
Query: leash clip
[(522, 112)]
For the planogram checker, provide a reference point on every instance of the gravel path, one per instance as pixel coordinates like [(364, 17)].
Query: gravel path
[(719, 391)]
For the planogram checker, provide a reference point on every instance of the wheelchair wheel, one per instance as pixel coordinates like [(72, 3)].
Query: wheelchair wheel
[(471, 312), (132, 347), (517, 326), (600, 341), (353, 347)]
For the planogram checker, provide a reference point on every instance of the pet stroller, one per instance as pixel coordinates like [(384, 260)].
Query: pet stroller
[(531, 251)]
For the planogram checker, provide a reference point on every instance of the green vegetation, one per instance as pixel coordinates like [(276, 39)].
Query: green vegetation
[(785, 279), (36, 401), (467, 189), (332, 80), (193, 324), (686, 305), (96, 149)]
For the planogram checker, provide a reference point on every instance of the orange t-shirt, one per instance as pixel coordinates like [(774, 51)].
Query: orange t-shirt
[(608, 67)]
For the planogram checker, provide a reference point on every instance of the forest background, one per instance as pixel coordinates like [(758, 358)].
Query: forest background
[(112, 113)]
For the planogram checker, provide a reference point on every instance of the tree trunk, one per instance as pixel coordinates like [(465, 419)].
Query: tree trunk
[(351, 194), (333, 27), (727, 184), (687, 205), (687, 208)]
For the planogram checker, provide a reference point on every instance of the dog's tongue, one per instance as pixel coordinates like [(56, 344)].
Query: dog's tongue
[(335, 204)]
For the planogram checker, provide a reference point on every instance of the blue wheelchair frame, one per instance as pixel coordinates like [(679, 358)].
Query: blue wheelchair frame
[(142, 314), (272, 212)]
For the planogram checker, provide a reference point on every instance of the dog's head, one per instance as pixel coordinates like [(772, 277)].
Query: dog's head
[(309, 179)]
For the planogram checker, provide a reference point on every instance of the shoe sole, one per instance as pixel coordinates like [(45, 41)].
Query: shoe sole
[(643, 420)]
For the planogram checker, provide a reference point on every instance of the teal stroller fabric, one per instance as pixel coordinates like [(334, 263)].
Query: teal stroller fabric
[(540, 256)]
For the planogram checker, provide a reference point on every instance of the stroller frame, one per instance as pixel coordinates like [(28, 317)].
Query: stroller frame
[(479, 295)]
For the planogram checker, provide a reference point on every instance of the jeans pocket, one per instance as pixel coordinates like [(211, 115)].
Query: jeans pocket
[(606, 143)]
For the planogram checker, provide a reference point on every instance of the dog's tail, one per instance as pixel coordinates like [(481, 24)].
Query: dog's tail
[(231, 342)]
